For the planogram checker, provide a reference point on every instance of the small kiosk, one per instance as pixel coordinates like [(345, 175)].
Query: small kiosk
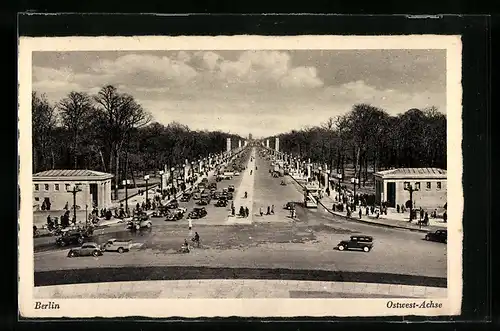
[(311, 195)]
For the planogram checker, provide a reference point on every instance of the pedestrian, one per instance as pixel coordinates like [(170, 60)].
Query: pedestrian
[(333, 207), (397, 208), (272, 209), (268, 210), (367, 210), (445, 217), (190, 224), (233, 210), (260, 211), (247, 212), (421, 213), (360, 213), (426, 218)]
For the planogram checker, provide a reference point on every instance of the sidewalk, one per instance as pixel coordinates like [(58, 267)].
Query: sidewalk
[(392, 219), (236, 288)]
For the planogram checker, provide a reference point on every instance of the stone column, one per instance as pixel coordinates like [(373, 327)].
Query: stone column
[(267, 143), (277, 144), (228, 145)]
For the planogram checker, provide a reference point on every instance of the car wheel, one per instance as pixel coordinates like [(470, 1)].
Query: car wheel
[(366, 249), (95, 253), (427, 238), (120, 250), (341, 248), (138, 227), (148, 225), (71, 254)]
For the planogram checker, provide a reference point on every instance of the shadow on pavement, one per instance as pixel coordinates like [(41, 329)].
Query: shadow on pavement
[(98, 275)]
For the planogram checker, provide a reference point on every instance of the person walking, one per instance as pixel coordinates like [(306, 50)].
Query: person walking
[(247, 212), (190, 224), (360, 213), (260, 211), (272, 209), (268, 210)]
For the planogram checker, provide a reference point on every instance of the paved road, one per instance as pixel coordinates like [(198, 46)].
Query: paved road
[(271, 242)]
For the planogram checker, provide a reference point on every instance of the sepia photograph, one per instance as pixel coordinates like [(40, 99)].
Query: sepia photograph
[(240, 176)]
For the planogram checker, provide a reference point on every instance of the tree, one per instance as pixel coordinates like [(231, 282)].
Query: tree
[(76, 111), (119, 114), (43, 125)]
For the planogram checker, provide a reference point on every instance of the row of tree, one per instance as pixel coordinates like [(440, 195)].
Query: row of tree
[(370, 140), (111, 132)]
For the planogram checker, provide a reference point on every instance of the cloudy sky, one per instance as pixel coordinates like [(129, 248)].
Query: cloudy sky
[(258, 92)]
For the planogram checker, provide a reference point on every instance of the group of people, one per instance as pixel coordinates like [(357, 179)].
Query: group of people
[(270, 210)]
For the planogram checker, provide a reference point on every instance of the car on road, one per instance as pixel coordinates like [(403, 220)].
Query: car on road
[(227, 195), (215, 194), (87, 249), (212, 186), (71, 237), (221, 203), (186, 197), (118, 245), (289, 205), (197, 196), (173, 204), (362, 242), (175, 215), (197, 212), (438, 235), (230, 188), (139, 221), (203, 202)]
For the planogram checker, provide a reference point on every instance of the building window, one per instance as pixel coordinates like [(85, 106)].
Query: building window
[(56, 187), (46, 187), (67, 187), (406, 185), (37, 187), (417, 186), (37, 199), (428, 185), (438, 185)]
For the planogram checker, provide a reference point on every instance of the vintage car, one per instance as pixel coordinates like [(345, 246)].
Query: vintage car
[(71, 237), (87, 249), (186, 197), (289, 205), (118, 245), (361, 242), (212, 186), (160, 211), (173, 204), (215, 194), (203, 202), (227, 195), (221, 203), (230, 188), (438, 235), (139, 221), (197, 212), (206, 196), (197, 196)]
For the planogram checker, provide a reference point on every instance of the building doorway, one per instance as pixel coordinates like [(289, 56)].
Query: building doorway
[(46, 204), (391, 194), (93, 194)]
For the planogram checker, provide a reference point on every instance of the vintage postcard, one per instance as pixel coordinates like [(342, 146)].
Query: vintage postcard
[(249, 176)]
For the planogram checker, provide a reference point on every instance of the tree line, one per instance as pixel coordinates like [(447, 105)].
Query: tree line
[(112, 132), (369, 139)]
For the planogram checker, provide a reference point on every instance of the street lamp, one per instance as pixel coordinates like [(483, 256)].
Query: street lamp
[(146, 178), (161, 172), (125, 183), (76, 188), (354, 181), (411, 189)]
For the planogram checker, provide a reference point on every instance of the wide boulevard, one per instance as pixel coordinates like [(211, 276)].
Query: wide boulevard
[(258, 247)]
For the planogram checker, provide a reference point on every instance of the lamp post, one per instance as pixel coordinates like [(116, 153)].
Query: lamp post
[(146, 178), (354, 181), (161, 172), (411, 189), (125, 183), (76, 188)]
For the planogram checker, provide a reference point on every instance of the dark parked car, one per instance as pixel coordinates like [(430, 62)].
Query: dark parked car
[(364, 243), (197, 212), (87, 249), (215, 194), (203, 202), (173, 204), (230, 188), (71, 237), (186, 197), (221, 203), (438, 235), (212, 186)]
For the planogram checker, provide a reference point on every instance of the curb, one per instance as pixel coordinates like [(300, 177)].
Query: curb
[(364, 222)]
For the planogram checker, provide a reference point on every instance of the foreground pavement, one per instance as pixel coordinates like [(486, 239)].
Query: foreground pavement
[(235, 288)]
